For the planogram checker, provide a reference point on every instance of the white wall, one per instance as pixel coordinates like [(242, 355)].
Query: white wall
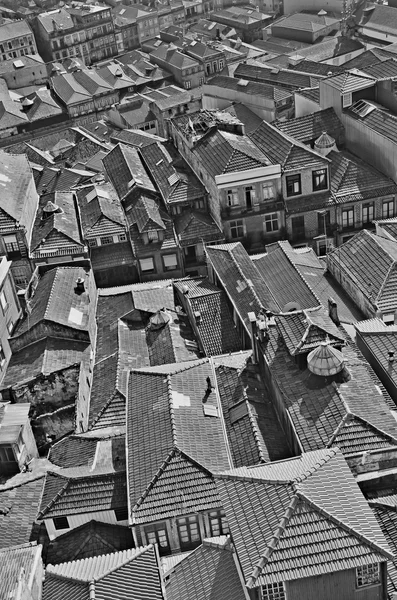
[(105, 516), (293, 6)]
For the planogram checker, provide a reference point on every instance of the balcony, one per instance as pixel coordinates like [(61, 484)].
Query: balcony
[(261, 207)]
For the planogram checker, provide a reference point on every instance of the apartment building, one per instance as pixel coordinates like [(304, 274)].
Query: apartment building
[(16, 39)]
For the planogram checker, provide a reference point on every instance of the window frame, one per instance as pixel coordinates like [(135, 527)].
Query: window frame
[(222, 526), (317, 187), (58, 523), (236, 225), (172, 267), (194, 539), (152, 236), (388, 203), (270, 220), (349, 222), (232, 195), (249, 196), (147, 258), (292, 180), (369, 206), (157, 530), (274, 591), (109, 240), (366, 578), (268, 186)]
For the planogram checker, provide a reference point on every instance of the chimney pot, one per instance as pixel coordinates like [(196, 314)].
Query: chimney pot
[(391, 355), (80, 284)]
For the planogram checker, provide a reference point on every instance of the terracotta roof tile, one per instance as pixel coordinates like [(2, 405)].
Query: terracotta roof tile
[(308, 128), (18, 511), (17, 564)]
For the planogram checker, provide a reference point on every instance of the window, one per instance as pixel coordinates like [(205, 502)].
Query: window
[(153, 236), (170, 262), (271, 222), (188, 85), (348, 218), (61, 523), (157, 534), (368, 213), (6, 454), (2, 356), (10, 327), (189, 532), (218, 523), (146, 264), (108, 239), (267, 190), (221, 65), (347, 100), (294, 187), (320, 180), (249, 196), (237, 229), (232, 197), (122, 237), (121, 514), (367, 575), (323, 222), (92, 243), (199, 204), (388, 209), (273, 591), (12, 247), (3, 300)]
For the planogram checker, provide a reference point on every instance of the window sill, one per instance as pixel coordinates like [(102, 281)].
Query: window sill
[(368, 587)]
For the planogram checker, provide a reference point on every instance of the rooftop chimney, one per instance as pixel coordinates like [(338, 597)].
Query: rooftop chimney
[(79, 285), (391, 355)]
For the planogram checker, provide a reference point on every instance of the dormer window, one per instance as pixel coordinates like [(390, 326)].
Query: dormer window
[(153, 236)]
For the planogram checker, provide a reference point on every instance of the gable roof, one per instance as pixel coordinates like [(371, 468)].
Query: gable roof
[(193, 227), (125, 574), (57, 230), (206, 573), (381, 19), (284, 150), (223, 152), (100, 211), (277, 511), (304, 330), (77, 491), (168, 423), (18, 199), (350, 81), (271, 92), (241, 280), (125, 170), (358, 258), (18, 563)]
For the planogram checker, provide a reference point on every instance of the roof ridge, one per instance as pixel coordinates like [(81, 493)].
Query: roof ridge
[(382, 287), (105, 406), (255, 428), (140, 550), (300, 274), (346, 418), (249, 281), (274, 541), (155, 478), (57, 495), (50, 295), (172, 410), (343, 525), (371, 425)]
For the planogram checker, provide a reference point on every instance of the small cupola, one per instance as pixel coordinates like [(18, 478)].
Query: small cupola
[(325, 144), (325, 360), (50, 209), (159, 320)]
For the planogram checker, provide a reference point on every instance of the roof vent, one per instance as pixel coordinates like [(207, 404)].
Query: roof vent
[(324, 144), (50, 208), (159, 320), (325, 360)]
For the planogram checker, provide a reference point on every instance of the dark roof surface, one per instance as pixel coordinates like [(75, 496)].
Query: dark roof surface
[(310, 127), (18, 511)]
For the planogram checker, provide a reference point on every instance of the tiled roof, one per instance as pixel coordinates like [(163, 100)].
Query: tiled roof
[(380, 342), (379, 120), (18, 200), (207, 573), (302, 518), (168, 242), (312, 94), (134, 137), (120, 575), (350, 82), (216, 329), (18, 564), (44, 357), (303, 21), (100, 211), (223, 152), (170, 439), (18, 511), (382, 19), (372, 56), (193, 227), (70, 495), (284, 150), (240, 279), (174, 184), (304, 330), (125, 169), (250, 120), (257, 71), (281, 277), (55, 299), (254, 88), (383, 70), (308, 128), (316, 68), (329, 48), (253, 429), (90, 539), (147, 214), (82, 451), (63, 221), (358, 258), (322, 408)]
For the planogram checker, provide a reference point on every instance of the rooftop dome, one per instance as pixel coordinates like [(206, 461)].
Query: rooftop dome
[(159, 320), (51, 208), (325, 360), (324, 144)]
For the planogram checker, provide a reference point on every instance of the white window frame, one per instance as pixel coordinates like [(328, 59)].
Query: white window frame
[(232, 197), (152, 235), (146, 266), (369, 208), (346, 220), (274, 591), (387, 214), (347, 100), (267, 190)]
